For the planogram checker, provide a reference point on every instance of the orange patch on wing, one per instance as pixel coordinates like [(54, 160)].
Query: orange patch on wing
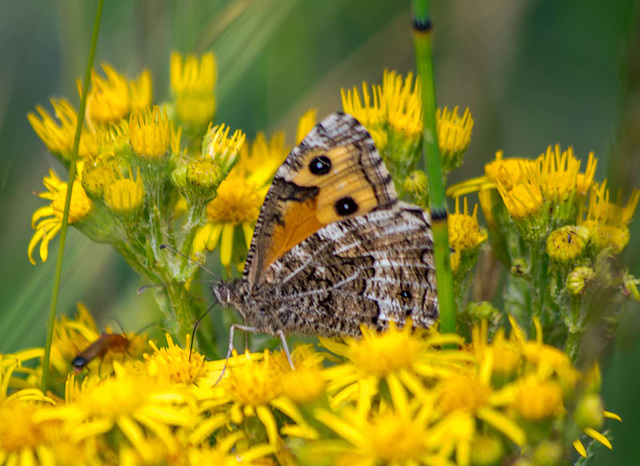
[(300, 222)]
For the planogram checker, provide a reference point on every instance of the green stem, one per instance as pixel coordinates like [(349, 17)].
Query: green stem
[(67, 202), (424, 64), (181, 307)]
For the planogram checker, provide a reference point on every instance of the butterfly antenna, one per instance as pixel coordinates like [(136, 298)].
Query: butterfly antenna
[(144, 328), (144, 288), (175, 251), (195, 327)]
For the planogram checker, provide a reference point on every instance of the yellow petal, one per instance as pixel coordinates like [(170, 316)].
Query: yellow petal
[(32, 244), (248, 233), (266, 416), (610, 415), (577, 444), (594, 434), (226, 244)]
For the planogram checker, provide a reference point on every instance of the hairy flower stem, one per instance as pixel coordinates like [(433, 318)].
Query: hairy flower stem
[(67, 202)]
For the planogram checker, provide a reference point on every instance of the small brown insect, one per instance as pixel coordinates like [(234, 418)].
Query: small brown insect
[(114, 342)]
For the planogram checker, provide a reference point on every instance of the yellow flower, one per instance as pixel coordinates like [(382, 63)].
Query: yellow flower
[(305, 124), (416, 185), (192, 84), (388, 435), (125, 196), (114, 139), (398, 356), (608, 222), (113, 98), (567, 243), (225, 452), (537, 400), (150, 133), (403, 103), (217, 145), (524, 199), (141, 408), (464, 233), (98, 173), (47, 221), (585, 180), (176, 365), (558, 174), (454, 136), (252, 385), (370, 113), (59, 137), (239, 198)]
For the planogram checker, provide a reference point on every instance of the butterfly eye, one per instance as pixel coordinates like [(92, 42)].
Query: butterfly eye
[(320, 165), (405, 294), (346, 206)]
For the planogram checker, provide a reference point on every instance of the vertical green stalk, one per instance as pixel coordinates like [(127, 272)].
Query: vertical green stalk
[(424, 64), (67, 202)]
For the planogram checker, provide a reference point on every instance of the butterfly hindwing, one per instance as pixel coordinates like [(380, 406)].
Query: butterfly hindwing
[(371, 269), (335, 173)]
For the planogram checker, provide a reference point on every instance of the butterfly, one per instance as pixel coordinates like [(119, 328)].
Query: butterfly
[(333, 247)]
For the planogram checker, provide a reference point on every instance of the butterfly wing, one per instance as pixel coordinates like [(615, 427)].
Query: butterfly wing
[(335, 173), (371, 269)]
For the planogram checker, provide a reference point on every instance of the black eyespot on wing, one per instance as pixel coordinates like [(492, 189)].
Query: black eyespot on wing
[(320, 165), (346, 206), (406, 294)]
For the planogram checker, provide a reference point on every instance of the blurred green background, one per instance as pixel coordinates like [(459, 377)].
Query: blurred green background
[(533, 73)]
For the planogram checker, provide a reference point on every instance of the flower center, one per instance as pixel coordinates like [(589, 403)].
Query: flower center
[(462, 392), (238, 202), (385, 353), (395, 438)]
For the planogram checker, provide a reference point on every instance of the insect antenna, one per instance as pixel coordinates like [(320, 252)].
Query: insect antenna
[(144, 288), (195, 327), (175, 251)]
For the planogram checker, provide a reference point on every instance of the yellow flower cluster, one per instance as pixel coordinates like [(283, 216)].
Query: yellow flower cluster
[(397, 397), (392, 112)]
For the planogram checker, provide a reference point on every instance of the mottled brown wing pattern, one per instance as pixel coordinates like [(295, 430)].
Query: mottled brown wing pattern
[(336, 172), (371, 269)]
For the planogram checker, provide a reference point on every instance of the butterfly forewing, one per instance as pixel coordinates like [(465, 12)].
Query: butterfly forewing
[(335, 173)]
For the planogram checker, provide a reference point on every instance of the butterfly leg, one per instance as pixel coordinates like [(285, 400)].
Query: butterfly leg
[(285, 347), (232, 330)]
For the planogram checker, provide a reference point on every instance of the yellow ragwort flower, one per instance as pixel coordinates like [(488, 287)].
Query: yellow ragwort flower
[(558, 174), (71, 336), (59, 135), (98, 173), (398, 356), (403, 102), (125, 196), (608, 222), (465, 234), (506, 171), (227, 452), (175, 364), (240, 196), (192, 84), (454, 136), (567, 243), (47, 221), (217, 144), (371, 113), (397, 434), (150, 133), (537, 400), (141, 408), (112, 98), (253, 386)]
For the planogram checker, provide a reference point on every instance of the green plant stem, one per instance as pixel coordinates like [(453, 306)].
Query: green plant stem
[(424, 65), (67, 202), (181, 307)]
